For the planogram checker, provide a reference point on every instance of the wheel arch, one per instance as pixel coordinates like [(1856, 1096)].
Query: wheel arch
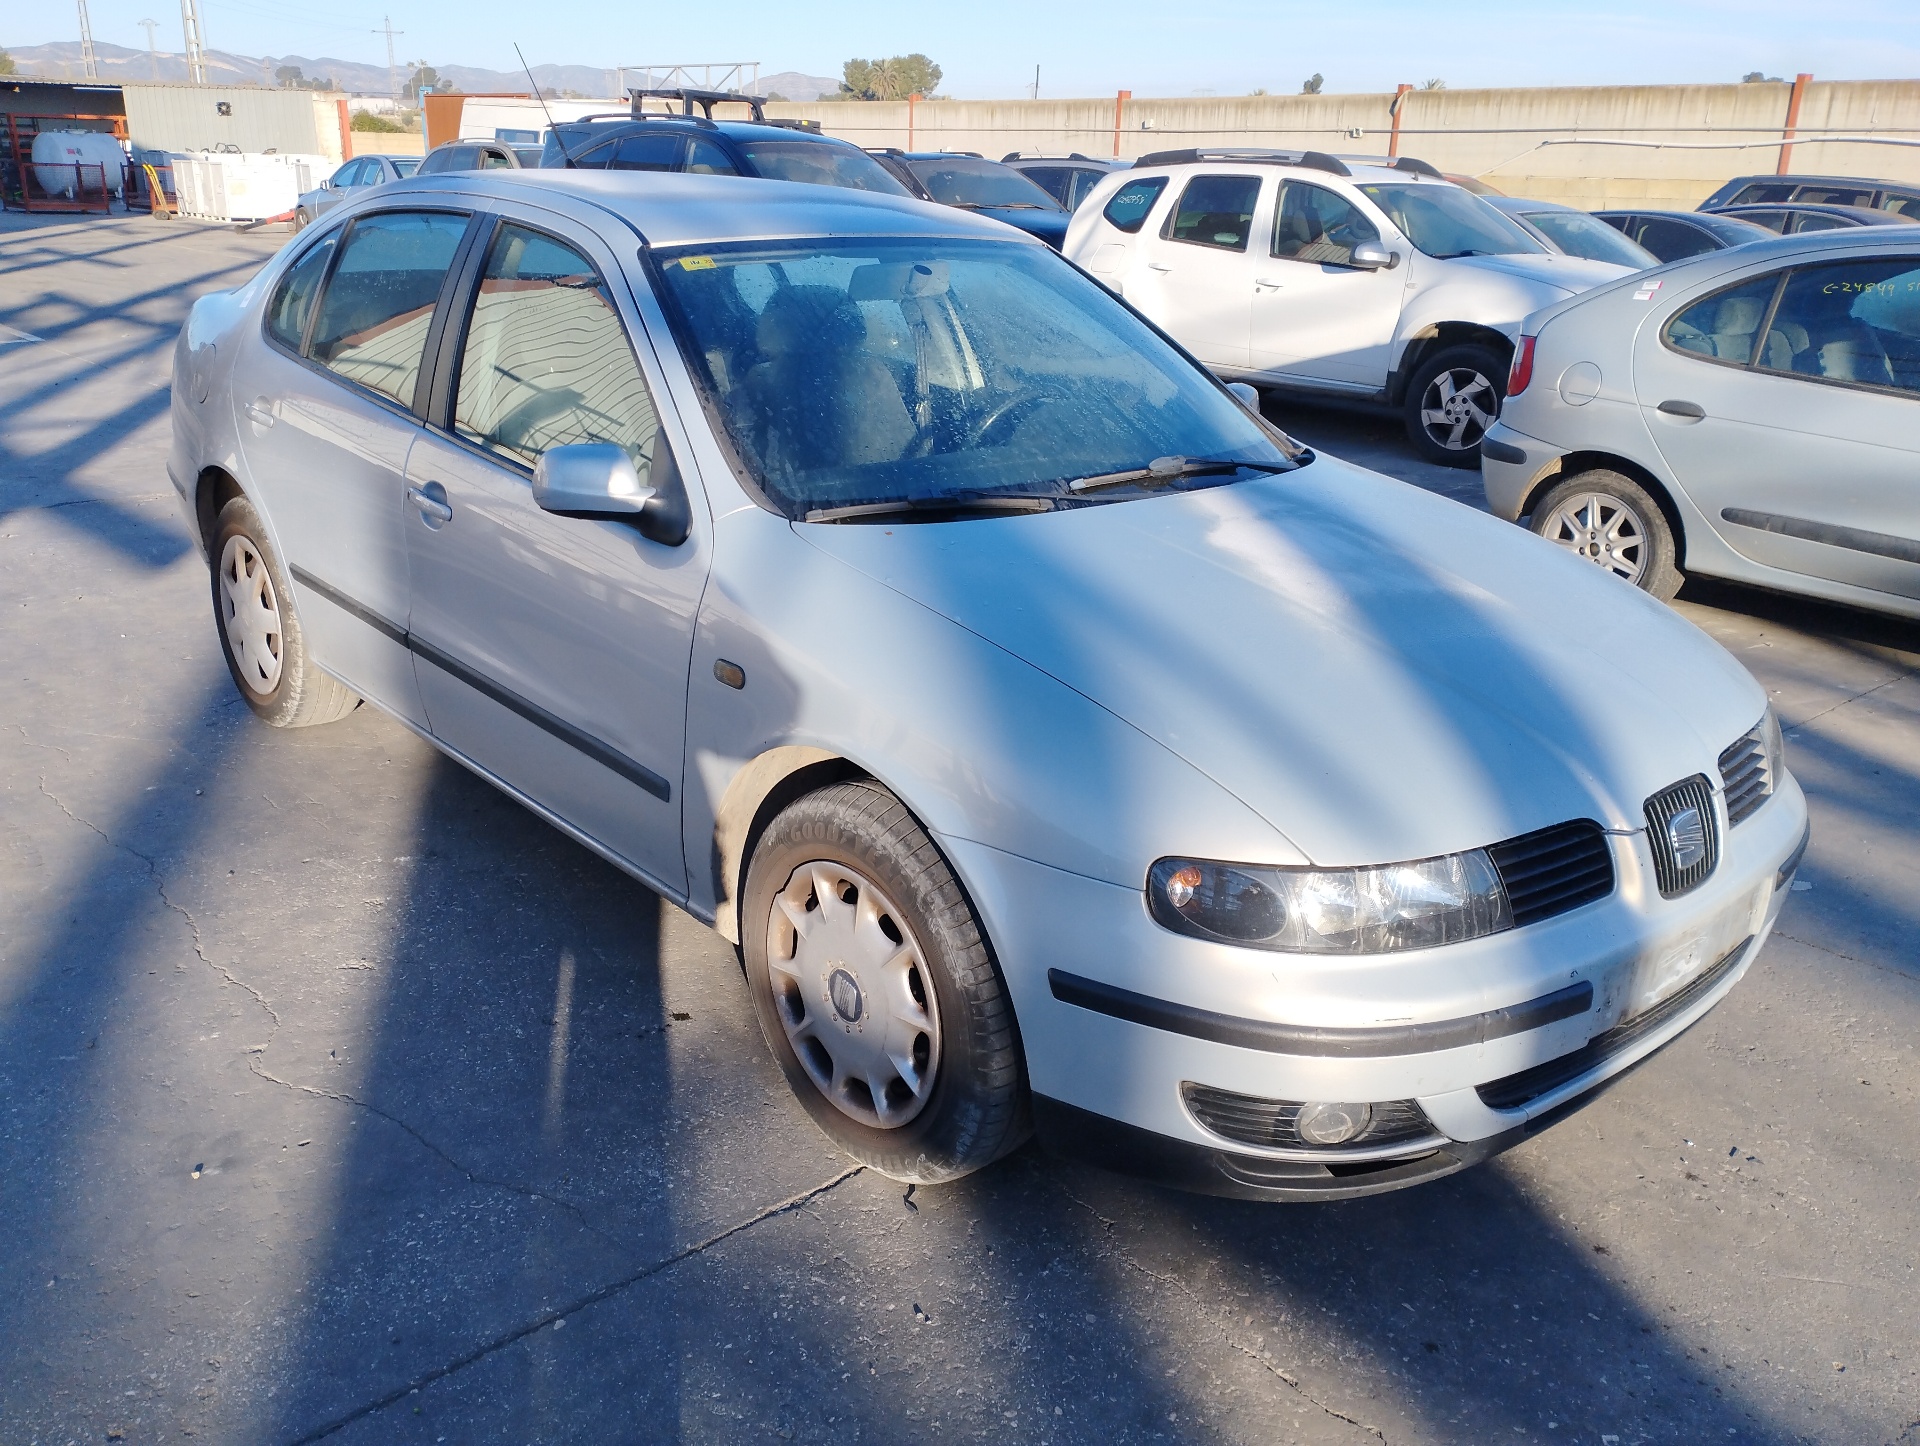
[(755, 796), (213, 489), (1574, 463), (1436, 336)]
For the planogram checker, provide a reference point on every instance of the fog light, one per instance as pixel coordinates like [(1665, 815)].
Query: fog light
[(1332, 1124)]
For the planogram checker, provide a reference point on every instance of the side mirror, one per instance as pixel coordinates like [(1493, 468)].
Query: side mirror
[(598, 479), (1247, 395), (1372, 256)]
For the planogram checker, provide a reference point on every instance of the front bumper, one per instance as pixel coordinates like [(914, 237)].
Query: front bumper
[(1492, 1039)]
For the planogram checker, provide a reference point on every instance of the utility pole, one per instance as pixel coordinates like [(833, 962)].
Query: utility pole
[(87, 63), (393, 75), (196, 47), (153, 56)]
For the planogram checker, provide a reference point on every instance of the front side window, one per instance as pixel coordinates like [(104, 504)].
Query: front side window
[(404, 168), (820, 163), (1851, 321), (546, 361), (1056, 181), (1672, 240), (1319, 226), (1215, 211), (345, 176), (1774, 221), (1908, 206), (1814, 221), (1834, 195), (292, 300), (373, 317), (656, 152), (1726, 325), (1764, 193), (919, 373), (1445, 222), (1127, 210)]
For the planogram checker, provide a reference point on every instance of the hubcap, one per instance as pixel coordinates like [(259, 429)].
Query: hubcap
[(251, 613), (1603, 530), (853, 994), (1459, 406)]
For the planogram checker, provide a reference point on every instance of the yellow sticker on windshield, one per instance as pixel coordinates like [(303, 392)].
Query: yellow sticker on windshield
[(696, 263)]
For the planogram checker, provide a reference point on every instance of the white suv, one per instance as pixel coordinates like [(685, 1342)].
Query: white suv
[(1295, 269)]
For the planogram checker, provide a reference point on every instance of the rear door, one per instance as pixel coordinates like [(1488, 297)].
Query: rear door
[(325, 398), (1197, 278), (1788, 407), (1315, 315)]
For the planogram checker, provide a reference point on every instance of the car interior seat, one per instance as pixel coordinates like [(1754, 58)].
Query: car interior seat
[(827, 401)]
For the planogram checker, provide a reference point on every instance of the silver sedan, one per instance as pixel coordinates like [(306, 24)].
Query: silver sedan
[(357, 175), (1064, 748), (1751, 414)]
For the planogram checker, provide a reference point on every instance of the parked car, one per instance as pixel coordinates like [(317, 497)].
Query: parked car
[(477, 155), (355, 175), (1067, 179), (1676, 235), (1751, 414), (1471, 183), (1380, 283), (1900, 197), (851, 572), (1574, 233), (697, 144), (1795, 219), (974, 183)]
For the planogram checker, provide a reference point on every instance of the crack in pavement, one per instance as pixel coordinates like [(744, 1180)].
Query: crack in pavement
[(254, 1052), (1898, 973), (574, 1307), (1901, 676), (1225, 1332)]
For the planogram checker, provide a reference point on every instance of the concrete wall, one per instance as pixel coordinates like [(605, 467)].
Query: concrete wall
[(187, 118), (1548, 144)]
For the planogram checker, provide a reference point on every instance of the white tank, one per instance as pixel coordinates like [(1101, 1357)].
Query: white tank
[(56, 152)]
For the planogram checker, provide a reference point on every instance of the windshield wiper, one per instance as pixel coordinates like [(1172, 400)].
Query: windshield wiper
[(950, 502), (1162, 470)]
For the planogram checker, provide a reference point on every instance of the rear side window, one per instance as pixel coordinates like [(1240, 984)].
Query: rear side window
[(656, 152), (1316, 225), (1127, 211), (546, 360), (1853, 321), (1672, 240), (1814, 221), (1215, 211), (1774, 221), (373, 318), (293, 300), (1726, 325), (1908, 206), (1835, 195), (704, 158)]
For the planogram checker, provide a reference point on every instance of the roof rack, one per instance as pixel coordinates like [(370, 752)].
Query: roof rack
[(1041, 156), (1311, 160), (705, 99)]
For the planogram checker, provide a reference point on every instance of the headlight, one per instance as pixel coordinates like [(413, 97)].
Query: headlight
[(1332, 911), (1776, 747)]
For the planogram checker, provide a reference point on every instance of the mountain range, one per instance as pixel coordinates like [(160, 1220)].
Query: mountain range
[(61, 61)]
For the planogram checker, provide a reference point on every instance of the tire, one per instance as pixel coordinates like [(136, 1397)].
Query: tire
[(877, 991), (301, 220), (1613, 521), (1446, 407), (260, 632)]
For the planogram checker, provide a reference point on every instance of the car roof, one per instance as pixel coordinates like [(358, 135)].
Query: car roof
[(1314, 164), (1864, 215), (1824, 180), (669, 209), (1520, 205), (1808, 244)]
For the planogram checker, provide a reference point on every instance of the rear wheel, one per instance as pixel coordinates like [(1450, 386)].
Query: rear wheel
[(260, 633), (302, 219), (1454, 397), (876, 990), (1614, 522)]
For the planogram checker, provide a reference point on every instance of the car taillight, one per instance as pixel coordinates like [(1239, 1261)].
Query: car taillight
[(1522, 372)]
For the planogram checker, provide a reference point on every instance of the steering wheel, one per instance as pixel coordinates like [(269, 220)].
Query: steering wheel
[(981, 433)]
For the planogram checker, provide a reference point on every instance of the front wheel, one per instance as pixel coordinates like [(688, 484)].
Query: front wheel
[(876, 989), (1614, 522), (1454, 397), (302, 219)]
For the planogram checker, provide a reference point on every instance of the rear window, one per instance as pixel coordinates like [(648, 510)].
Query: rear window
[(1128, 209)]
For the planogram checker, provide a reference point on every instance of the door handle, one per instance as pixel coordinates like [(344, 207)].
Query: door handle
[(260, 412), (1686, 411), (1267, 285), (1158, 266), (432, 502)]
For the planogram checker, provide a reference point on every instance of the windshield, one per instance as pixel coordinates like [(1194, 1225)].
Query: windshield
[(914, 371), (406, 168), (1444, 221), (969, 181), (820, 163), (1578, 234)]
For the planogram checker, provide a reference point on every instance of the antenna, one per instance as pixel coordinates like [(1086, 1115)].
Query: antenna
[(552, 129)]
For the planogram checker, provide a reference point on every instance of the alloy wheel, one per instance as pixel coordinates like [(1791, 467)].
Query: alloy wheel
[(250, 611), (1459, 405), (853, 994), (1603, 530)]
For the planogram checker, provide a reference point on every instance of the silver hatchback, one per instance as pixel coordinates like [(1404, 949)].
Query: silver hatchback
[(1751, 414)]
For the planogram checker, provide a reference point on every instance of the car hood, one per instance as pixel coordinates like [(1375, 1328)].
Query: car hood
[(1380, 673), (1569, 273), (1049, 226)]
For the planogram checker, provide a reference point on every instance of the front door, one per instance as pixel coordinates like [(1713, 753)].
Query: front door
[(1788, 407), (553, 651), (324, 401), (1197, 277), (1315, 315)]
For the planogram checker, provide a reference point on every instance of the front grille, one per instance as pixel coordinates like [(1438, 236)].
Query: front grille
[(1528, 1085), (1271, 1123), (1552, 870), (1662, 809), (1746, 773)]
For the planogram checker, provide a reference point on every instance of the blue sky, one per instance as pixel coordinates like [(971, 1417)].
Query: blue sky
[(1153, 47)]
